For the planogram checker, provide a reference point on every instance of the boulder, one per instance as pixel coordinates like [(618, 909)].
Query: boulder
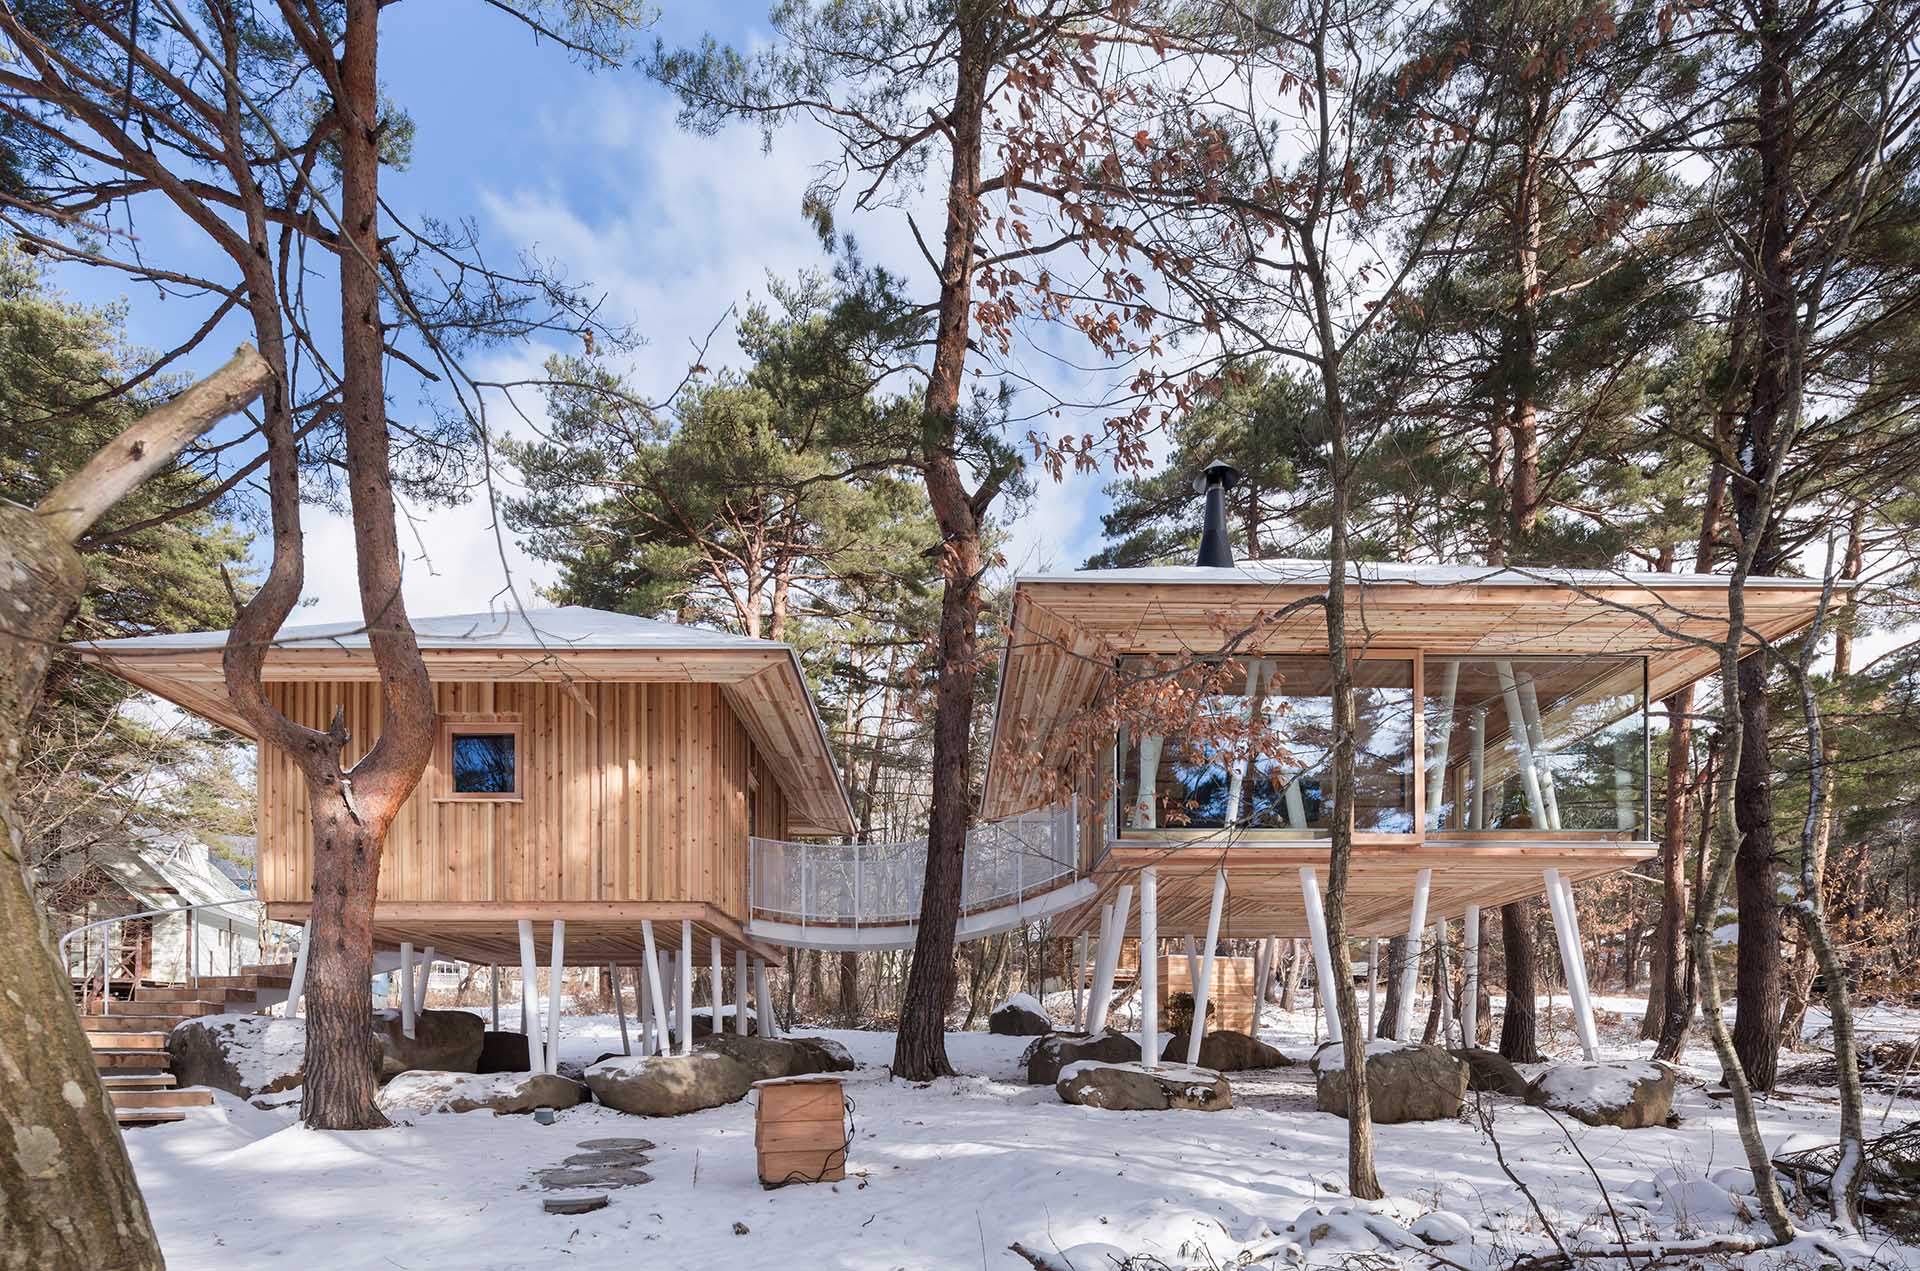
[(244, 1055), (1225, 1051), (1019, 1016), (1048, 1056), (498, 1092), (442, 1041), (768, 1057), (1490, 1072), (1629, 1096), (703, 1021), (820, 1054), (502, 1052), (1404, 1082), (1132, 1088), (669, 1085)]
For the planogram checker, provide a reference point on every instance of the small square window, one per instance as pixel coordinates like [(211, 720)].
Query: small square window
[(483, 763), (479, 758)]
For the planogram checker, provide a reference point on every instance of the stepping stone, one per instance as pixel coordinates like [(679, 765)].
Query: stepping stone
[(574, 1177), (614, 1156), (575, 1204), (615, 1145)]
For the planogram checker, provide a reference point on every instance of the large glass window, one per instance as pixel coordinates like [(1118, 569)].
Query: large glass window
[(1536, 743), (1246, 744)]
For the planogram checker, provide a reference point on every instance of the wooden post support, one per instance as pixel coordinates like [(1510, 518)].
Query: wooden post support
[(1149, 967), (299, 984), (1204, 987), (764, 1020), (1410, 973), (555, 997), (740, 995), (1566, 927), (1323, 968), (619, 1008), (656, 999), (404, 981), (686, 987), (1470, 963), (530, 998)]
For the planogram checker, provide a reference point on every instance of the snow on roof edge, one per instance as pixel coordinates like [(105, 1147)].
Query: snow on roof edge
[(1304, 572)]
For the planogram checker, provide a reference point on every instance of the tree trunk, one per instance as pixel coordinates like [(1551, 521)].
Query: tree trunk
[(1390, 1001), (1519, 1035), (849, 988), (920, 1048), (67, 1192), (1756, 1015)]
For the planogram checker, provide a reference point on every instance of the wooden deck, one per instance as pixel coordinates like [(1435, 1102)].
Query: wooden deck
[(1263, 882)]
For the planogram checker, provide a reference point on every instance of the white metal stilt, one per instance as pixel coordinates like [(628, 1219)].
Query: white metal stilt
[(493, 985), (1080, 969), (1204, 988), (1149, 967), (1323, 967), (1410, 973), (619, 1008), (740, 994), (424, 976), (686, 987), (655, 998), (715, 989), (1470, 964), (1566, 926), (403, 981), (530, 999), (1373, 987), (555, 993), (1122, 914), (765, 1023), (299, 984)]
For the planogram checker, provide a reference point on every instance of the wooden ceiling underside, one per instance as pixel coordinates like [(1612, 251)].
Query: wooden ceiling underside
[(596, 933), (763, 687), (1065, 636), (1264, 896)]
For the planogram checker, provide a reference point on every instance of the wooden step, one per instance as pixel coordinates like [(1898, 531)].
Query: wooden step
[(122, 1040), (172, 1010), (137, 1080), (148, 1116), (247, 981), (205, 993), (191, 1097), (271, 968), (126, 1060)]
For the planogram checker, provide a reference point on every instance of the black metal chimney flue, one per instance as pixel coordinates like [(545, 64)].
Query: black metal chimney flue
[(1216, 549)]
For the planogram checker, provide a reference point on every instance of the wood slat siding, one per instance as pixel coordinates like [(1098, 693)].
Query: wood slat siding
[(631, 792)]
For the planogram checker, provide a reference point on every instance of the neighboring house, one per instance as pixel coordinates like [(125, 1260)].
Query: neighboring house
[(158, 870)]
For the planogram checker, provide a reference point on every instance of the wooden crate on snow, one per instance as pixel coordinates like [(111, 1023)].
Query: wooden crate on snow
[(1231, 997), (800, 1130)]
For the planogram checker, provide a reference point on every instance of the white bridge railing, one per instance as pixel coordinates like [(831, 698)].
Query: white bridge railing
[(878, 884)]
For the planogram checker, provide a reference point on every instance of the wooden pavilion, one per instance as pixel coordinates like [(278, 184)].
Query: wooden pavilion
[(590, 800)]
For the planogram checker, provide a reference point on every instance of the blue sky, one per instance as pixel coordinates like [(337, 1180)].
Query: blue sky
[(588, 169)]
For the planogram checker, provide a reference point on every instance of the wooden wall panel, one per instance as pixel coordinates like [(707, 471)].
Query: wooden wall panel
[(630, 791)]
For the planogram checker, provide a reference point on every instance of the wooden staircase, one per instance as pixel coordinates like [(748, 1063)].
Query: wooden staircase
[(130, 1042)]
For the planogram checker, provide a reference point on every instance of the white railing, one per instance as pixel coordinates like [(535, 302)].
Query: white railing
[(190, 955), (878, 884)]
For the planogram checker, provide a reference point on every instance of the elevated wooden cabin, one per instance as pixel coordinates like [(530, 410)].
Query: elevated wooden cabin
[(595, 769), (1502, 713)]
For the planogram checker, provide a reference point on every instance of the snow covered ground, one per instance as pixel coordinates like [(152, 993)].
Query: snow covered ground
[(948, 1175)]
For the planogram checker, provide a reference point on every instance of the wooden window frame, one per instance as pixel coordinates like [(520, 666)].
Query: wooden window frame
[(451, 725)]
